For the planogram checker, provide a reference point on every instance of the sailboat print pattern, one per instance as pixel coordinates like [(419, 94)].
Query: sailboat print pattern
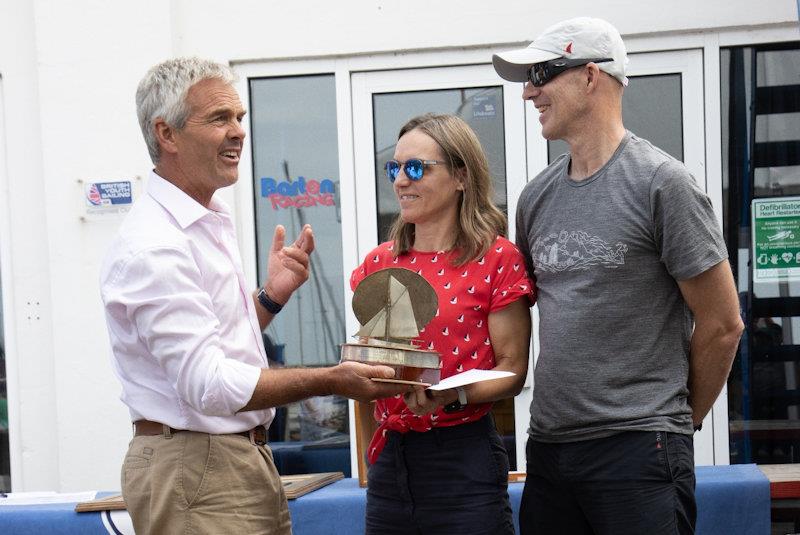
[(576, 250), (459, 331)]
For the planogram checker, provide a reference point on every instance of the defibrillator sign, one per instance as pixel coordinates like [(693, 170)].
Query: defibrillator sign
[(776, 239)]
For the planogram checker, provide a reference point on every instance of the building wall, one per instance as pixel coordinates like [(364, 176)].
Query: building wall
[(321, 28), (24, 253), (68, 72)]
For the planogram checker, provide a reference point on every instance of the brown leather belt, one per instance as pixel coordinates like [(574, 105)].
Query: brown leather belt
[(256, 435)]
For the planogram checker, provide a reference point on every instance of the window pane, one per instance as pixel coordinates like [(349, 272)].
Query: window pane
[(296, 165), (652, 109), (296, 173), (777, 67), (761, 160), (481, 108), (778, 127)]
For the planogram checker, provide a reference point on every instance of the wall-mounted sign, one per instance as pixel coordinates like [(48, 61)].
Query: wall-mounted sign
[(106, 198), (776, 239), (300, 193)]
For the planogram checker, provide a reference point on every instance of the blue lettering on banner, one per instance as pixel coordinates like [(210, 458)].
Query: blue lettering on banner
[(300, 193)]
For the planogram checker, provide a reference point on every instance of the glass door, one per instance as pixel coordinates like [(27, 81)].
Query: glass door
[(382, 103), (761, 180)]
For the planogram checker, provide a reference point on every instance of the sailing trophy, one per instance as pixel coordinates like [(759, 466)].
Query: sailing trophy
[(392, 305)]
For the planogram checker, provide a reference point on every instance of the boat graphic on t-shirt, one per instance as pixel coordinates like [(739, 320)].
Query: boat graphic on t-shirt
[(572, 250)]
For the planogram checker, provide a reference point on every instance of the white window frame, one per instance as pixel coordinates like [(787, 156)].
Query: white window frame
[(713, 440)]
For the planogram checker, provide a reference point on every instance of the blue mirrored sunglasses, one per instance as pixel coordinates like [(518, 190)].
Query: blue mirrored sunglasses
[(414, 168)]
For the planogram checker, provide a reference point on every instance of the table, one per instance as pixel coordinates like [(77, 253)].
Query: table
[(784, 487), (731, 500)]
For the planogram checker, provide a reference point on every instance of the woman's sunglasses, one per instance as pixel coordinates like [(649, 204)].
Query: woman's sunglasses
[(414, 168), (541, 73)]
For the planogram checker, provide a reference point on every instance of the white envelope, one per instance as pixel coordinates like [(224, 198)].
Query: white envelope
[(468, 377)]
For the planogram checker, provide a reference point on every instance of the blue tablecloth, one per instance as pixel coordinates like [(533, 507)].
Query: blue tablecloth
[(731, 500), (311, 457)]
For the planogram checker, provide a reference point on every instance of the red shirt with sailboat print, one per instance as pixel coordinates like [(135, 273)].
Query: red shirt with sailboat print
[(459, 331)]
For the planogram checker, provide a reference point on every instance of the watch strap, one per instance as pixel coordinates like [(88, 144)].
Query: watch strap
[(458, 404), (462, 395), (271, 306)]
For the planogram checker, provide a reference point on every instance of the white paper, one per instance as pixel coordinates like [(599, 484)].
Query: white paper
[(38, 498), (469, 377)]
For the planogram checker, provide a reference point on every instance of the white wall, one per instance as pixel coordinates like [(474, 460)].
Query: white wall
[(88, 71), (26, 259), (69, 72), (322, 28)]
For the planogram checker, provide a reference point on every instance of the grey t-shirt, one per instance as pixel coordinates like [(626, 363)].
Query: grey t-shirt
[(614, 329)]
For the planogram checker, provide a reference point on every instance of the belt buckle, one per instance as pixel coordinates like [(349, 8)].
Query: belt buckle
[(258, 435)]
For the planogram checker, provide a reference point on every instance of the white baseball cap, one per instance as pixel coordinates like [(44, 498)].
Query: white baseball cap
[(579, 38)]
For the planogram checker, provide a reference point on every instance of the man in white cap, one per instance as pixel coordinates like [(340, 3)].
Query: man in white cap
[(639, 313)]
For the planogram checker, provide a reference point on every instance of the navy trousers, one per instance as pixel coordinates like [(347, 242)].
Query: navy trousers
[(445, 481), (628, 483)]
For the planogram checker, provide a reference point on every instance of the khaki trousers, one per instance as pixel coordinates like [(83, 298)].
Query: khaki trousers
[(196, 483)]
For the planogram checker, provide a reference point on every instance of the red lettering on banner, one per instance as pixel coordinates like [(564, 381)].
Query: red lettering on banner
[(301, 201)]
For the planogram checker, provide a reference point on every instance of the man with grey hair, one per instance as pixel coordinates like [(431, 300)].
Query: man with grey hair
[(185, 328), (639, 316)]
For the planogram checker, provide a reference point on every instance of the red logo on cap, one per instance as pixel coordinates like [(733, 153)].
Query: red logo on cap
[(568, 50)]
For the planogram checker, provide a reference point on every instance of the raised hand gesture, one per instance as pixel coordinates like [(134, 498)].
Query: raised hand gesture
[(288, 266)]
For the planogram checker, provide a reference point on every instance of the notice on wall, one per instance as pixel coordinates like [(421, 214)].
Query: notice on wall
[(107, 198), (776, 239)]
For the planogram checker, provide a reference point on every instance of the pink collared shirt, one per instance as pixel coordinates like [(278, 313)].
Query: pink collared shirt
[(184, 333)]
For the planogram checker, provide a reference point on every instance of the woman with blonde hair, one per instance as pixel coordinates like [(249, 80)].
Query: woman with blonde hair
[(437, 463)]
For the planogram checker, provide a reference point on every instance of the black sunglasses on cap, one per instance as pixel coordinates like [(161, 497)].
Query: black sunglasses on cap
[(541, 73)]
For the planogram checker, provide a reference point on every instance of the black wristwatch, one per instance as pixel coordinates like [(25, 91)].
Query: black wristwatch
[(271, 306), (458, 404)]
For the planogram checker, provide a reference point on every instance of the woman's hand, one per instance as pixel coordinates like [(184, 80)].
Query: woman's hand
[(421, 401)]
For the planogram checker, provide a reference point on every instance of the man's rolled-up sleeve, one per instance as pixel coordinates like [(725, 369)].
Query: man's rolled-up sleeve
[(158, 292)]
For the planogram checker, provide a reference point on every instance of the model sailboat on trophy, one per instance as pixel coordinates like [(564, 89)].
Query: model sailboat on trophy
[(392, 306)]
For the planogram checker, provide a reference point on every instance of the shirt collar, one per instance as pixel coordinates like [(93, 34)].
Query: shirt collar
[(181, 206)]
